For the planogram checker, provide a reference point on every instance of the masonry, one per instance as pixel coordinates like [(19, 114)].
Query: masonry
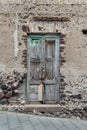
[(17, 19)]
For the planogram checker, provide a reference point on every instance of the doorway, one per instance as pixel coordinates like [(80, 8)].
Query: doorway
[(43, 68)]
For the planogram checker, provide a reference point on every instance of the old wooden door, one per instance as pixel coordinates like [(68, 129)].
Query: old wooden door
[(43, 68)]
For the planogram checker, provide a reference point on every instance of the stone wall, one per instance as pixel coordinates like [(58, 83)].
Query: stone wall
[(73, 70)]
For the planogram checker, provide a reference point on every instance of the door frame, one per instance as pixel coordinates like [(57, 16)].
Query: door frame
[(53, 36)]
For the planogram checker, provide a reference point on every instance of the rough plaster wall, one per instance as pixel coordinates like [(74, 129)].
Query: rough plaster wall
[(75, 52), (7, 58), (75, 68), (46, 1)]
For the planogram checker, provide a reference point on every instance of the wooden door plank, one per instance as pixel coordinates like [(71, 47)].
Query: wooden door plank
[(28, 72), (57, 67)]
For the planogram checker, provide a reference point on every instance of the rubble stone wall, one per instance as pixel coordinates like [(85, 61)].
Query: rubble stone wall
[(74, 70)]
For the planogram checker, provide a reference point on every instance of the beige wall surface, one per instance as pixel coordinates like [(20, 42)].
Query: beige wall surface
[(13, 15), (47, 1)]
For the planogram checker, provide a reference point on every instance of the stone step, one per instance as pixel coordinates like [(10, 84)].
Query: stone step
[(42, 107)]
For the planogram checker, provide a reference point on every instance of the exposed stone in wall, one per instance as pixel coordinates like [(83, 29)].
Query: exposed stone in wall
[(75, 91), (9, 86)]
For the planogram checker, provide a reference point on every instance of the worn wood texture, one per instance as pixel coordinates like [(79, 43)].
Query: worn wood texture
[(40, 92), (50, 57), (43, 62)]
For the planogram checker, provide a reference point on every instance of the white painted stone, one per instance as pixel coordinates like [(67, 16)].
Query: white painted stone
[(2, 67)]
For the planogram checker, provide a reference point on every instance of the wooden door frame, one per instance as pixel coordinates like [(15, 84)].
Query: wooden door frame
[(49, 36)]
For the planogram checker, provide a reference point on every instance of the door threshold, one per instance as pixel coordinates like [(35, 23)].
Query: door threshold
[(42, 107)]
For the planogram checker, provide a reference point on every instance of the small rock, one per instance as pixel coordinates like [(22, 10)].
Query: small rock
[(78, 96), (5, 91), (15, 85), (4, 101), (4, 87), (22, 102), (1, 94), (9, 94), (85, 108), (15, 92), (78, 118)]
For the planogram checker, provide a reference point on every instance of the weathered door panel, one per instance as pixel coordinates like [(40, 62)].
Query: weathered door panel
[(35, 58), (50, 58), (33, 93), (51, 95), (35, 55), (43, 67)]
